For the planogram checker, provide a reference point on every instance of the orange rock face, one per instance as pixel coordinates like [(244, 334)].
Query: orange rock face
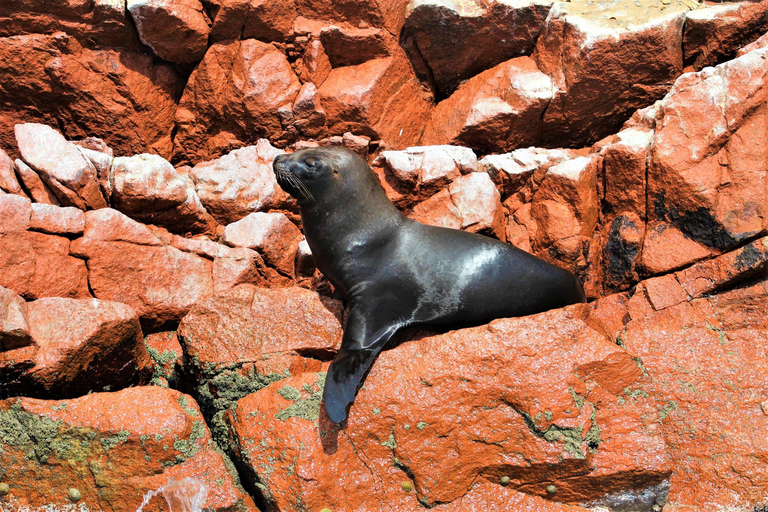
[(232, 99), (443, 422), (130, 101), (144, 240), (113, 448)]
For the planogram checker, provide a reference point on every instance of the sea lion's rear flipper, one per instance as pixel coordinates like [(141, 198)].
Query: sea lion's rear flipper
[(364, 337)]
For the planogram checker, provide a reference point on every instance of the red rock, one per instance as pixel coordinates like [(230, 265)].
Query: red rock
[(380, 99), (38, 191), (15, 212), (102, 162), (103, 22), (708, 142), (35, 264), (498, 110), (229, 18), (309, 116), (176, 30), (305, 263), (445, 412), (388, 14), (353, 46), (149, 435), (762, 42), (417, 173), (129, 101), (239, 183), (166, 356), (470, 203), (8, 181), (84, 345), (458, 40), (148, 188), (603, 69), (238, 266), (271, 234), (232, 99), (708, 363), (128, 264), (270, 20), (63, 168), (565, 209), (616, 255), (314, 65), (666, 248), (726, 270), (512, 171), (625, 166), (246, 322), (243, 339), (14, 325), (58, 221), (714, 33)]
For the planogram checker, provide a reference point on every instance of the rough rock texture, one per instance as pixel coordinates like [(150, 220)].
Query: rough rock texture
[(498, 110), (148, 188), (712, 121), (36, 264), (379, 98), (432, 417), (14, 322), (273, 235), (232, 99), (707, 357), (123, 96), (128, 264), (716, 33), (239, 183), (84, 345), (62, 167), (113, 448), (248, 337), (102, 22), (459, 39), (176, 30)]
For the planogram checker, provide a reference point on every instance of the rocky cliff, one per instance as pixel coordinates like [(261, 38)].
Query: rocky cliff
[(161, 316)]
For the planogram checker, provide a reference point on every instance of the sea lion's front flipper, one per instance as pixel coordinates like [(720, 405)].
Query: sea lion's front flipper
[(366, 334)]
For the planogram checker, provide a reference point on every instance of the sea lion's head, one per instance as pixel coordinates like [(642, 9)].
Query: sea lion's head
[(323, 175)]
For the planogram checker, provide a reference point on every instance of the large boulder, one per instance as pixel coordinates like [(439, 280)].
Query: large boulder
[(176, 30), (232, 99), (701, 335), (121, 96), (239, 183), (498, 110), (83, 346), (61, 166), (113, 449), (128, 263), (148, 188), (706, 178), (545, 401), (36, 264), (459, 39)]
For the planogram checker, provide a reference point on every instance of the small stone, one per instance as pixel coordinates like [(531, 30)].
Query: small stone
[(4, 488), (73, 495), (407, 486), (551, 489), (505, 480)]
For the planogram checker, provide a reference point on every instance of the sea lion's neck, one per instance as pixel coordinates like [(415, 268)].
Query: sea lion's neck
[(341, 233)]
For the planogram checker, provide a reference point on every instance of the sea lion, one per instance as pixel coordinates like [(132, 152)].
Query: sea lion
[(395, 272)]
